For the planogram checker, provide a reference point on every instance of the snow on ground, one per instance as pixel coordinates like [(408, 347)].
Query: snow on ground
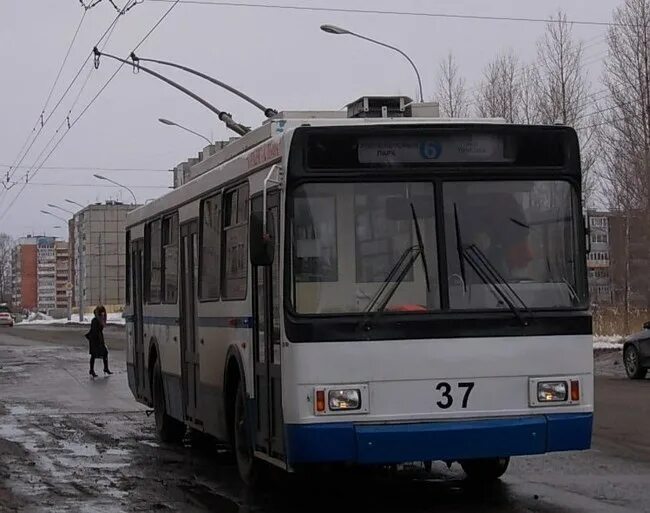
[(41, 319), (608, 342)]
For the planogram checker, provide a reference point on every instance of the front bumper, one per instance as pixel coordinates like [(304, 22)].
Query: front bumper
[(449, 440)]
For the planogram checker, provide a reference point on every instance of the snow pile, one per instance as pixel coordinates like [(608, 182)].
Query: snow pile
[(39, 319), (608, 342)]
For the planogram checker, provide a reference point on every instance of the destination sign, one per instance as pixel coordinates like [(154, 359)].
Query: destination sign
[(423, 149)]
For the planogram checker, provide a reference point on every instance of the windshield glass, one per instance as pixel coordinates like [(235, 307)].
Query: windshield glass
[(355, 248), (371, 247), (519, 236)]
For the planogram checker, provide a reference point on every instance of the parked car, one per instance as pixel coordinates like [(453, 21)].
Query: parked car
[(636, 353), (6, 317)]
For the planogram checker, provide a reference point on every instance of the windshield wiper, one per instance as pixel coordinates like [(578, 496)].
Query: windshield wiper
[(391, 283), (459, 249), (418, 234), (394, 279), (491, 276)]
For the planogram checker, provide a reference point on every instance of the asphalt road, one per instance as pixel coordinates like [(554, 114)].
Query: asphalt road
[(69, 443)]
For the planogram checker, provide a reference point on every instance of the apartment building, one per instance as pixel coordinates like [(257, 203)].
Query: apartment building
[(40, 273), (598, 258), (98, 251)]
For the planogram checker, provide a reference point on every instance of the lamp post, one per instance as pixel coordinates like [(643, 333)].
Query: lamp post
[(61, 208), (100, 177), (54, 215), (172, 123), (75, 203), (333, 29)]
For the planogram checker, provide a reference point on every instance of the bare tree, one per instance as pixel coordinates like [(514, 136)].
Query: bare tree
[(500, 92), (6, 251), (564, 90), (451, 92), (624, 129), (530, 109), (563, 85)]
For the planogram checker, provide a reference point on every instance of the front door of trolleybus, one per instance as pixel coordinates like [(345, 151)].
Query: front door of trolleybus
[(266, 317), (137, 281)]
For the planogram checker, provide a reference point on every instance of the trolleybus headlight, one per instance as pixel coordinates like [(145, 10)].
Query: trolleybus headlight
[(344, 399), (551, 391)]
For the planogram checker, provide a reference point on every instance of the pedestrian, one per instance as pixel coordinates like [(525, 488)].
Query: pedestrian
[(96, 340)]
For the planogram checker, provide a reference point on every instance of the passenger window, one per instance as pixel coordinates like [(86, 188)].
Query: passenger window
[(170, 259), (210, 248), (235, 236), (154, 261)]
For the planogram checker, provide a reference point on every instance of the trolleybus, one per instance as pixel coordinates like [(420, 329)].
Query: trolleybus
[(369, 288)]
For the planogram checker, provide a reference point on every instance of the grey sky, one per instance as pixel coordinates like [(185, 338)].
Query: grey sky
[(279, 57)]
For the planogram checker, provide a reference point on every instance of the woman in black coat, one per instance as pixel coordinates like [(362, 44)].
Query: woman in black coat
[(96, 340)]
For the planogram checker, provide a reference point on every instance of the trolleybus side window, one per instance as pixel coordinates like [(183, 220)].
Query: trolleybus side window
[(170, 259), (235, 237), (210, 261), (154, 261)]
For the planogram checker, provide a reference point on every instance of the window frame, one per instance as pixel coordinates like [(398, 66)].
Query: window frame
[(236, 188), (147, 266), (163, 257), (218, 196), (127, 265)]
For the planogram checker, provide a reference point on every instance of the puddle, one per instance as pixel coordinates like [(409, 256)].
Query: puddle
[(18, 410), (150, 444), (79, 449)]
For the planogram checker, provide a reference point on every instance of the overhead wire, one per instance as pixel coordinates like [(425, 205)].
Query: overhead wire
[(65, 120), (108, 31), (92, 101), (96, 168), (40, 119), (346, 10)]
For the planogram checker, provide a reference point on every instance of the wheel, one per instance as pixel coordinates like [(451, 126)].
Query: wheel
[(632, 363), (485, 470), (248, 466), (168, 429)]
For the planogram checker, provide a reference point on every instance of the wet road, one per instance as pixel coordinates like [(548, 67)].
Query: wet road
[(69, 443)]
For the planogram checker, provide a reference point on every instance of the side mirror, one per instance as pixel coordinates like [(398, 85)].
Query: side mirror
[(646, 325), (260, 243)]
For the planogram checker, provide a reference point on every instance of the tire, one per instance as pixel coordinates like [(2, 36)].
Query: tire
[(247, 465), (169, 430), (632, 363), (485, 470)]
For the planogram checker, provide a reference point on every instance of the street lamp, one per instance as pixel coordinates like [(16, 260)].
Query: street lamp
[(333, 29), (172, 123), (100, 177), (54, 215), (60, 208), (74, 203)]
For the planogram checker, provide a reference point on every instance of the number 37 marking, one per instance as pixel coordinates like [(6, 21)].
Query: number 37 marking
[(447, 399)]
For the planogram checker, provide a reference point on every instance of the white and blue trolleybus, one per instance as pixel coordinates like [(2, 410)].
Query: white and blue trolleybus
[(369, 287)]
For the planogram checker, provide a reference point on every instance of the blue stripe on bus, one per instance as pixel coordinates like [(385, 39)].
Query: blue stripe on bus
[(208, 322), (452, 440)]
